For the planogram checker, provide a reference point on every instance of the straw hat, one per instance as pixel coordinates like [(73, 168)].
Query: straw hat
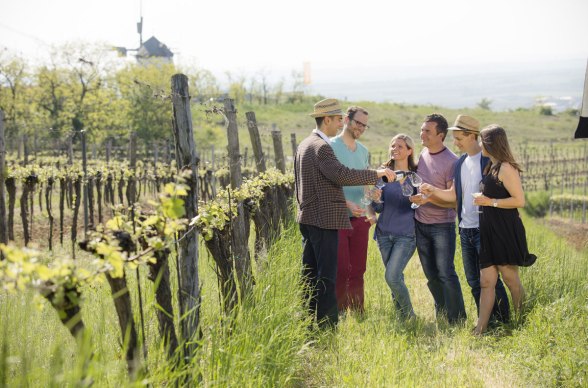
[(327, 107), (467, 124)]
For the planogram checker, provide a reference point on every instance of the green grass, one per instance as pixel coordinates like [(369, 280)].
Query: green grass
[(547, 347), (265, 342)]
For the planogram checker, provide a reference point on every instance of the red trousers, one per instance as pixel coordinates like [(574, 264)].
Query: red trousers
[(351, 264)]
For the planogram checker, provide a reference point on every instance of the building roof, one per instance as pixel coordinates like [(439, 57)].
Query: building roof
[(154, 48)]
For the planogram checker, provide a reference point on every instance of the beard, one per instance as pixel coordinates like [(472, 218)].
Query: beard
[(355, 133)]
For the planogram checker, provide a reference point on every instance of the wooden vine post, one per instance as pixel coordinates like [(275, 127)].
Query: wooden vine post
[(131, 199), (187, 161), (294, 144), (108, 149), (131, 192), (25, 149), (255, 141), (3, 220), (240, 227), (279, 150), (85, 180)]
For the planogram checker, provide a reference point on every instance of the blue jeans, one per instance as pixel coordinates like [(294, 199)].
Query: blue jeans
[(470, 249), (436, 247), (396, 252)]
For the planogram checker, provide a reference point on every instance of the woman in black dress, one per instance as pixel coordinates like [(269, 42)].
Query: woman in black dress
[(502, 234)]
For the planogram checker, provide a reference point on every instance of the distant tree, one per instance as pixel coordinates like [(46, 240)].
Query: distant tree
[(278, 90), (253, 90), (297, 94), (203, 84), (237, 89), (73, 88), (145, 94), (13, 90), (90, 69), (263, 82), (484, 103), (54, 95)]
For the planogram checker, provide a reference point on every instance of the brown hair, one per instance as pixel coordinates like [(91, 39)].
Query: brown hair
[(495, 143), (352, 110), (410, 145)]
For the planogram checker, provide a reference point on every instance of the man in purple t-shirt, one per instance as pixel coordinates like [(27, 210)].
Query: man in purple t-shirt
[(435, 225)]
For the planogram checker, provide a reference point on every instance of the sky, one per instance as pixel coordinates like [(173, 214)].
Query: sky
[(340, 39)]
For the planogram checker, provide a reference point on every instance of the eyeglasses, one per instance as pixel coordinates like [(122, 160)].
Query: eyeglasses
[(361, 124)]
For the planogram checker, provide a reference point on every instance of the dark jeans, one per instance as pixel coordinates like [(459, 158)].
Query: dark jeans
[(319, 270), (470, 249), (436, 248)]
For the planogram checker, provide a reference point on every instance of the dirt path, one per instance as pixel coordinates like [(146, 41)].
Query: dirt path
[(575, 233)]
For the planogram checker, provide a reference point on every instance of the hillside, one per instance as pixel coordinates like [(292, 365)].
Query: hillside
[(525, 127)]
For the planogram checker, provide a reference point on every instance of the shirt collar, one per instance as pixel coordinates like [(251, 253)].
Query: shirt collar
[(321, 134)]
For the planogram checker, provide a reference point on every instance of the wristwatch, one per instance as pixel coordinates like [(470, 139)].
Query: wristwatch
[(495, 202)]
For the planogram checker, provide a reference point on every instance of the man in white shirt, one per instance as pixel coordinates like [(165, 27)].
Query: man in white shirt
[(469, 170)]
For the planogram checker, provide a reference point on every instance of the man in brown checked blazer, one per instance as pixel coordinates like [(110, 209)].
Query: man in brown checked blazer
[(321, 207)]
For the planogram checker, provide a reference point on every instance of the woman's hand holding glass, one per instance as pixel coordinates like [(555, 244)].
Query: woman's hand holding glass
[(480, 198), (476, 196)]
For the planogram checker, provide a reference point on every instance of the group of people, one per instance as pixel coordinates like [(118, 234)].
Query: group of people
[(413, 206)]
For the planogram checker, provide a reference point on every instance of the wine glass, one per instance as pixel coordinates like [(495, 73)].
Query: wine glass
[(366, 200), (416, 181), (479, 194), (407, 189), (379, 185)]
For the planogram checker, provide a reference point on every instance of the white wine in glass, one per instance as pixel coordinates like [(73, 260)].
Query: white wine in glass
[(476, 195)]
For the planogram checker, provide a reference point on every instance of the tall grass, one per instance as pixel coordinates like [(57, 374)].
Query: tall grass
[(261, 344), (547, 347), (266, 341)]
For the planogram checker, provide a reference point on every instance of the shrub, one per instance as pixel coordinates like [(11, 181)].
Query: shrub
[(572, 112), (546, 110), (537, 203)]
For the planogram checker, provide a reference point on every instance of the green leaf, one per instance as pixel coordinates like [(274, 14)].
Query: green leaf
[(173, 208)]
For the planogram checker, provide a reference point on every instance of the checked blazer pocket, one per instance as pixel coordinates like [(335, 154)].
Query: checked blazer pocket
[(308, 201)]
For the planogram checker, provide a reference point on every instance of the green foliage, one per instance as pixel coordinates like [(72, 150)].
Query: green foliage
[(203, 84), (145, 89), (216, 214), (567, 199), (484, 103), (537, 203), (61, 280), (207, 134), (55, 96), (570, 206), (546, 110), (237, 88), (572, 112), (13, 98)]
